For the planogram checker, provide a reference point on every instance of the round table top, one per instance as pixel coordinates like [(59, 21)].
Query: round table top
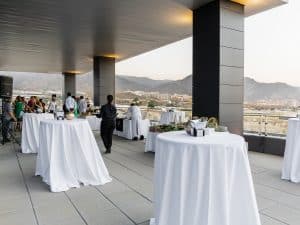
[(64, 122), (49, 115), (173, 112), (217, 138), (294, 119)]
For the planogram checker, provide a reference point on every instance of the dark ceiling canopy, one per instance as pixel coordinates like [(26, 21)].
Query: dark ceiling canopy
[(51, 36)]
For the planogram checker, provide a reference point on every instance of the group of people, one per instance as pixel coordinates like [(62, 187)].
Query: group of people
[(34, 104), (37, 105), (78, 106), (13, 111)]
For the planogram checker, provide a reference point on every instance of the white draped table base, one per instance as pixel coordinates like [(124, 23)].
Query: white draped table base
[(94, 122), (150, 142), (30, 131), (127, 129), (69, 155), (291, 162), (203, 181), (172, 117)]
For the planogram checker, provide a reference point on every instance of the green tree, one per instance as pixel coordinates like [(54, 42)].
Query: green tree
[(136, 101), (152, 104)]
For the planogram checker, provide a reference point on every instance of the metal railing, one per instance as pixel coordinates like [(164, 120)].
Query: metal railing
[(266, 124), (153, 114)]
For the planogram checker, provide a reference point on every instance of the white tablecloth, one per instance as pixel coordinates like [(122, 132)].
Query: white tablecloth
[(30, 131), (150, 142), (291, 162), (127, 129), (69, 155), (94, 122), (172, 117), (203, 181)]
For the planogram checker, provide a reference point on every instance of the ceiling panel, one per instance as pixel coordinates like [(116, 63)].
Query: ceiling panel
[(63, 35)]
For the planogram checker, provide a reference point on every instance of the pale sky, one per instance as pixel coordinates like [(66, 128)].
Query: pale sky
[(272, 50)]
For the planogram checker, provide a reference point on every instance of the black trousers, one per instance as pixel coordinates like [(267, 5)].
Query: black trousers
[(107, 129), (5, 128)]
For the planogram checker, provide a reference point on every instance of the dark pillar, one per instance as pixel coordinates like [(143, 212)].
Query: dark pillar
[(218, 63), (104, 79), (69, 83)]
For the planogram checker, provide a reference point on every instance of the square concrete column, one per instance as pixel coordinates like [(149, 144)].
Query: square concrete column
[(218, 63), (69, 84), (104, 79)]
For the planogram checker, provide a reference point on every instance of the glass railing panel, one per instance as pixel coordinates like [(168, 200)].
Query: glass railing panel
[(268, 124)]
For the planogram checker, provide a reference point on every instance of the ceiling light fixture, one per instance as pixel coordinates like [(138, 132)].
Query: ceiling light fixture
[(184, 19), (73, 71), (247, 2), (116, 56)]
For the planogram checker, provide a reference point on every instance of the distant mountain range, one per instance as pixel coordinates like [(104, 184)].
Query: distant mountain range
[(85, 83), (254, 91), (125, 83)]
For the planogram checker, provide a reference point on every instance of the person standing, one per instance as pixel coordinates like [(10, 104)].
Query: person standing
[(108, 114), (135, 114), (42, 105), (38, 108), (76, 112), (19, 108), (82, 106), (52, 106), (7, 118), (31, 105), (69, 103)]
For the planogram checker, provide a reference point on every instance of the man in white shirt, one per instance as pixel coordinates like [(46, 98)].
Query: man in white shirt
[(52, 106), (135, 114), (82, 105), (69, 103)]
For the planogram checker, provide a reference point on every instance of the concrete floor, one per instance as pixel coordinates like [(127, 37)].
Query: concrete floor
[(26, 200)]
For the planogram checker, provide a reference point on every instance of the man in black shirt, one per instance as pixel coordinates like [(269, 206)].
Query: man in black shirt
[(108, 114)]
